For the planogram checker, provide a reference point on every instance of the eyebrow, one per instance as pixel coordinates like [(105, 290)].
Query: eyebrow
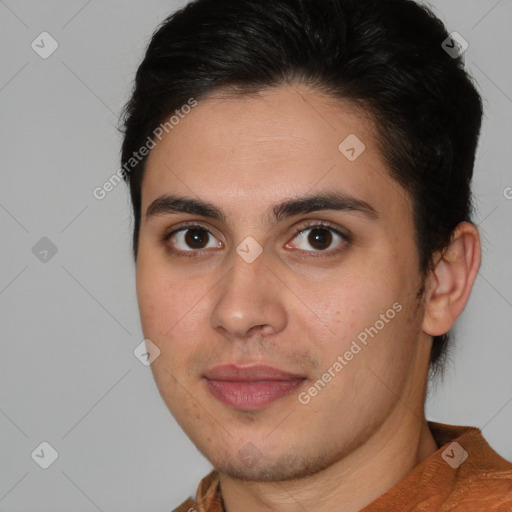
[(337, 201)]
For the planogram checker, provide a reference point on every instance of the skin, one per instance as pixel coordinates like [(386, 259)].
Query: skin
[(297, 306)]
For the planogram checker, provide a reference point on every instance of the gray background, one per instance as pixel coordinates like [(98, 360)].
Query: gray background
[(69, 324)]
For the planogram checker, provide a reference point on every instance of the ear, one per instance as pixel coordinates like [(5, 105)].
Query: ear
[(451, 280)]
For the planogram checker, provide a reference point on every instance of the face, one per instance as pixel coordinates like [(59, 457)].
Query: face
[(279, 283)]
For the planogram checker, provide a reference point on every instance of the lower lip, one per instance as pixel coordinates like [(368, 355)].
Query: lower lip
[(251, 396)]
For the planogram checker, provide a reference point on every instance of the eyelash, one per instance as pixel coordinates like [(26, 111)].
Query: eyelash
[(318, 224)]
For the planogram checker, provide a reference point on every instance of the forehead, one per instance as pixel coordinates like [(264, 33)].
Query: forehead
[(248, 152)]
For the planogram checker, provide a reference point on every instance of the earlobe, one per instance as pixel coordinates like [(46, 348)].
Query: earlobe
[(451, 280)]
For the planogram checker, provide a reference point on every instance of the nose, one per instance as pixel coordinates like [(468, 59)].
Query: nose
[(250, 298)]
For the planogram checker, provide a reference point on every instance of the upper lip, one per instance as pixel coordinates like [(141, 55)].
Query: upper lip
[(232, 372)]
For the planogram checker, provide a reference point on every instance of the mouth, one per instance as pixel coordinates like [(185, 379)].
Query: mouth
[(250, 388)]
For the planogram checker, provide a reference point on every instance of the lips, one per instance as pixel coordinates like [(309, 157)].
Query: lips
[(250, 388)]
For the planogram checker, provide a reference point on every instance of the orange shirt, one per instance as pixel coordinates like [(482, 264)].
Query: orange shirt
[(464, 475)]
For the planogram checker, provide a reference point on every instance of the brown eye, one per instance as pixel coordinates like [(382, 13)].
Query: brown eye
[(196, 238), (320, 238), (189, 240)]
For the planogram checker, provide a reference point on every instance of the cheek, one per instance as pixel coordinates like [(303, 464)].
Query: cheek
[(159, 306), (370, 362), (172, 312), (152, 298), (373, 321), (352, 301), (168, 319)]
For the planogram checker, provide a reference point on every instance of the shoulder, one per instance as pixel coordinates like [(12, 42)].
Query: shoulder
[(480, 475), (208, 497), (187, 506)]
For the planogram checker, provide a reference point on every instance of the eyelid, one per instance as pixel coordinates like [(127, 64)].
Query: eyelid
[(184, 225), (328, 225), (308, 224)]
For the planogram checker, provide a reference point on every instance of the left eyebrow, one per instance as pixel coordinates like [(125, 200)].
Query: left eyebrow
[(337, 201)]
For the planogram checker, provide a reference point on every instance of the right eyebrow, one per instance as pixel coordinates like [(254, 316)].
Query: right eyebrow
[(176, 204)]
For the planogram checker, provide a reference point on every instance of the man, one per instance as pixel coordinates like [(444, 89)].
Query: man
[(300, 177)]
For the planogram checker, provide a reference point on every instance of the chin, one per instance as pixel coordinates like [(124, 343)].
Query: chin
[(265, 469)]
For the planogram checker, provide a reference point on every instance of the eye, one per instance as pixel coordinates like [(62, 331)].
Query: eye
[(320, 237), (194, 240), (191, 241)]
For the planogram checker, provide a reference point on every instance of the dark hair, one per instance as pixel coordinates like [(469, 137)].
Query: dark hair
[(385, 56)]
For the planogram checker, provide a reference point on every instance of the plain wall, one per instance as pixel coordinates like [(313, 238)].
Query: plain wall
[(69, 324)]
